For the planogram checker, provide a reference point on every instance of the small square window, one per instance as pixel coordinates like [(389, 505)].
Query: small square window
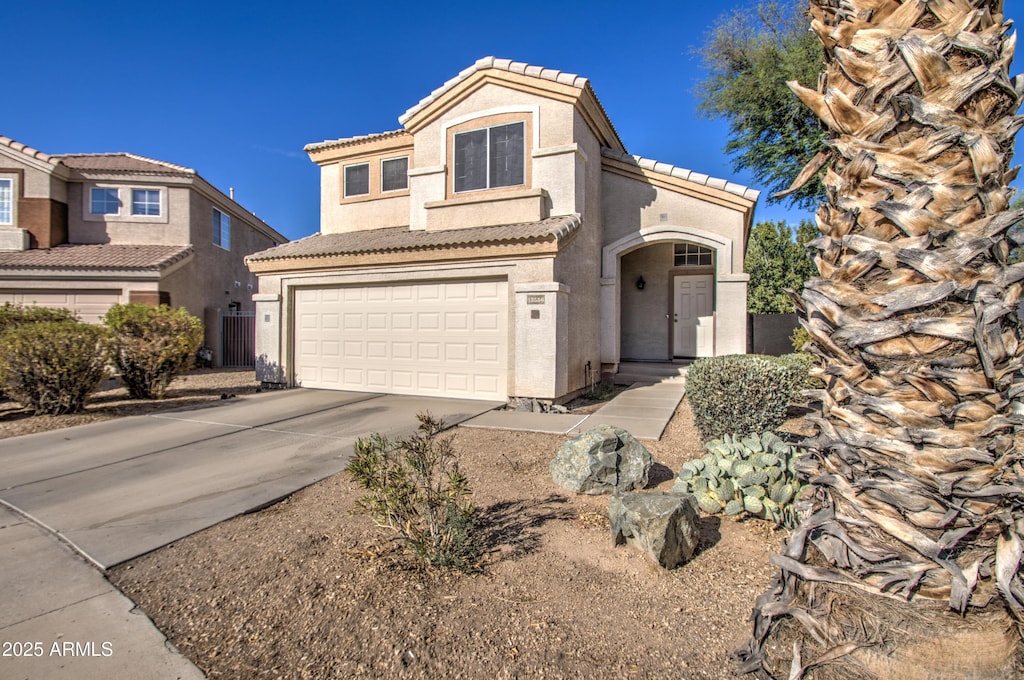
[(6, 201), (357, 179), (394, 174), (692, 255), (104, 202), (145, 202), (221, 229)]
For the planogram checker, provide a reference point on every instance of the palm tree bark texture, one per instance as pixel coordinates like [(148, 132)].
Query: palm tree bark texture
[(915, 475)]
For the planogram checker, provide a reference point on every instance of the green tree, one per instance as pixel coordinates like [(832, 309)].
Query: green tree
[(776, 263), (749, 55)]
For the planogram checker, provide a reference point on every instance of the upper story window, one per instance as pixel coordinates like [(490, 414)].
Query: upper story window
[(145, 202), (6, 201), (104, 202), (490, 157), (221, 229), (394, 174), (692, 255), (357, 180)]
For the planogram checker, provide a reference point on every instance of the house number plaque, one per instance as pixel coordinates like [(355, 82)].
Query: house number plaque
[(534, 299)]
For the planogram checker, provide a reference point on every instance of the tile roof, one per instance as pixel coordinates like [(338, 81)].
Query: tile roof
[(402, 238), (27, 150), (120, 162), (682, 173), (102, 256), (503, 64), (345, 141)]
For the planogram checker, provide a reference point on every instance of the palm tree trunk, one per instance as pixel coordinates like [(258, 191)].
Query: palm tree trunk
[(915, 476)]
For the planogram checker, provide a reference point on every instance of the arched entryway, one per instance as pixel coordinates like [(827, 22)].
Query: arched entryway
[(671, 291)]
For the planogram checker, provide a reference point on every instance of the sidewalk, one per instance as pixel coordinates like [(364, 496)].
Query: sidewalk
[(64, 620), (643, 410)]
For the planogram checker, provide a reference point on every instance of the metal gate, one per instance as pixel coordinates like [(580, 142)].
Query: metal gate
[(238, 339)]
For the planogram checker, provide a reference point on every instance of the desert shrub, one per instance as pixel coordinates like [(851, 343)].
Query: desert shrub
[(416, 489), (799, 338), (16, 316), (801, 363), (740, 393), (150, 346), (51, 367), (754, 475)]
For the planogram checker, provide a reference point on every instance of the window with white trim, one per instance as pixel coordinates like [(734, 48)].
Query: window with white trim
[(692, 255), (104, 201), (6, 200), (145, 202), (490, 157), (394, 174), (357, 180), (221, 229)]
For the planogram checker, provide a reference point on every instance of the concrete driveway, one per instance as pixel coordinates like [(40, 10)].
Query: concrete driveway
[(118, 489)]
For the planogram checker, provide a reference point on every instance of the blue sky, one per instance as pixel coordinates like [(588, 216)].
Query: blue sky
[(236, 89)]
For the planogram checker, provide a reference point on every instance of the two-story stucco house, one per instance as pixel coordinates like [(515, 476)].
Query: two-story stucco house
[(501, 244), (88, 231)]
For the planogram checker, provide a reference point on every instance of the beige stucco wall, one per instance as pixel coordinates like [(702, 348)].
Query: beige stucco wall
[(578, 266), (645, 328), (549, 157), (37, 176), (169, 228), (337, 217), (631, 204), (275, 340), (220, 276)]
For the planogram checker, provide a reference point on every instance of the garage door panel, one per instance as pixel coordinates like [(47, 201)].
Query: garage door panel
[(88, 305), (437, 339)]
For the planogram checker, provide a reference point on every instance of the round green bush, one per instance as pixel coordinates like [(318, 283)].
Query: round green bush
[(741, 393), (51, 367)]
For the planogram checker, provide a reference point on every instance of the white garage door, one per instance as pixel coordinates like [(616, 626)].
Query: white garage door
[(89, 305), (445, 339)]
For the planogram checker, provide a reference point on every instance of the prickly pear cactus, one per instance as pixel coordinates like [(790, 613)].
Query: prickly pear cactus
[(752, 475)]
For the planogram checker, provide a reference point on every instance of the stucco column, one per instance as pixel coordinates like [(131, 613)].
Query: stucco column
[(731, 314), (269, 367), (610, 322), (542, 340)]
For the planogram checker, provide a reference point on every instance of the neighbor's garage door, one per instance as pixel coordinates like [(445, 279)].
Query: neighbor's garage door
[(445, 339), (89, 305)]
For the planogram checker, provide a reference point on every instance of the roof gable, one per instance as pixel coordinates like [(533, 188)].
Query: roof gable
[(567, 87)]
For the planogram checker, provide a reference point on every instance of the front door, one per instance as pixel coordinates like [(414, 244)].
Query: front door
[(693, 316)]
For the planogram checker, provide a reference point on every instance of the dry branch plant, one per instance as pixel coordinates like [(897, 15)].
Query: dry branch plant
[(915, 476), (415, 488)]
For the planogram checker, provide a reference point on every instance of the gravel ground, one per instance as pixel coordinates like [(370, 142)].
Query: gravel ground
[(308, 589)]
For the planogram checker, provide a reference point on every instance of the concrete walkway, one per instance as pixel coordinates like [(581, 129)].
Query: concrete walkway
[(643, 410), (118, 489), (64, 620)]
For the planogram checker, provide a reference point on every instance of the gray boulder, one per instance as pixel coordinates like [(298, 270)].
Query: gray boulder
[(664, 525), (603, 460)]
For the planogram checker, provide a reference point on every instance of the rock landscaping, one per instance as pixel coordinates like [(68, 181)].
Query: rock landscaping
[(603, 460)]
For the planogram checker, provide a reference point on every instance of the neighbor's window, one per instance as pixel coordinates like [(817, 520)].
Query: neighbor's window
[(357, 179), (145, 202), (692, 255), (394, 174), (104, 202), (6, 201), (221, 229), (491, 157)]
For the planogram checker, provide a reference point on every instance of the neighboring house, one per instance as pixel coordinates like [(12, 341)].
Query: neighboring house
[(87, 231), (502, 244)]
